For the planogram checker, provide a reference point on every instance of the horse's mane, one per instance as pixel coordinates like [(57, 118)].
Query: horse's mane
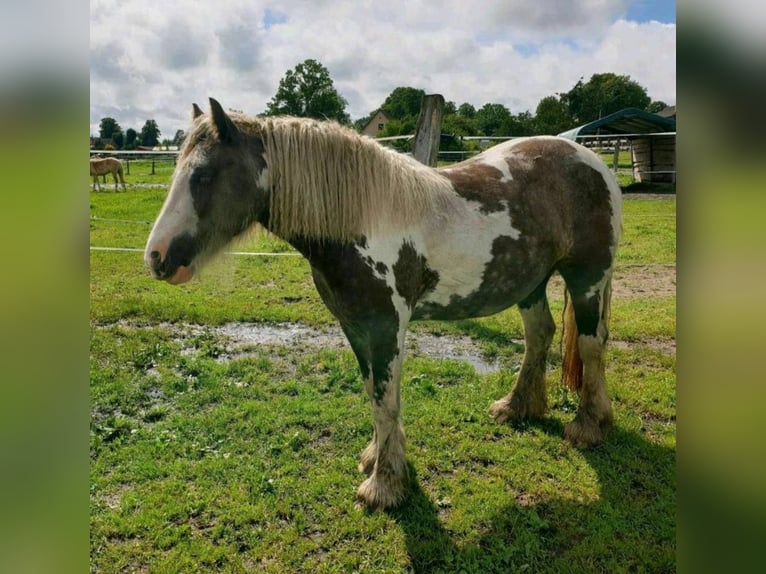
[(329, 182)]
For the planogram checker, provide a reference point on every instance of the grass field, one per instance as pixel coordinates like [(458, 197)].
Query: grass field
[(209, 460)]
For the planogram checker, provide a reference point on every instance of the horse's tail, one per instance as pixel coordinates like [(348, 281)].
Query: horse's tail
[(571, 362)]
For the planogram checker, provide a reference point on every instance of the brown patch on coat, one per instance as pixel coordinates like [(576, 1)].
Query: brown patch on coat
[(479, 182), (414, 278), (561, 207), (362, 303)]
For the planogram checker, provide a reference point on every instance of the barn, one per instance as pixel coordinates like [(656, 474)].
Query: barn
[(652, 140)]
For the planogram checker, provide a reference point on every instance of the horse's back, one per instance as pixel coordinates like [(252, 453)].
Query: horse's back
[(102, 166), (532, 205), (546, 184)]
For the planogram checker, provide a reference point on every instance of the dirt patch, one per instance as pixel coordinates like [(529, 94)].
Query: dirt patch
[(242, 336), (644, 281), (631, 281), (664, 346)]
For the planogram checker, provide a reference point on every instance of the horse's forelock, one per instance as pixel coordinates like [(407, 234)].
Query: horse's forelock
[(199, 131)]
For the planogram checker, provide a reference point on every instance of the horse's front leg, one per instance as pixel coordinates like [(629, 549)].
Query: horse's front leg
[(380, 351)]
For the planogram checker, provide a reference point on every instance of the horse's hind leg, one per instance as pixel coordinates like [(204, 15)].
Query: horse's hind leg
[(591, 314), (528, 399)]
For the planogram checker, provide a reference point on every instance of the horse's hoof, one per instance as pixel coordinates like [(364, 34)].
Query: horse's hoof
[(511, 410), (584, 433), (376, 495)]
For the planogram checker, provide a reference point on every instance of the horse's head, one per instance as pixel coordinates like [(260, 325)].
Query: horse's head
[(219, 189)]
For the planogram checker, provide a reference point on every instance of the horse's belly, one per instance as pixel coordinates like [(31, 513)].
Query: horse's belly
[(485, 299), (483, 273)]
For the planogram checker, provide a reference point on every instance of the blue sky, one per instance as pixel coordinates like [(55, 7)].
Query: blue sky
[(648, 10)]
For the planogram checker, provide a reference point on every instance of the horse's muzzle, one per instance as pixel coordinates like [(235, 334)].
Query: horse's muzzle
[(173, 264), (157, 264)]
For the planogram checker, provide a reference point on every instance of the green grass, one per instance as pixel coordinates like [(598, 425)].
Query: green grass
[(649, 231), (203, 461)]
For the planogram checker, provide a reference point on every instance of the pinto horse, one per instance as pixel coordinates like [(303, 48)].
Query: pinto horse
[(103, 166), (390, 240)]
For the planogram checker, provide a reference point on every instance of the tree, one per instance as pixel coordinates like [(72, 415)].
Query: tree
[(656, 106), (179, 138), (397, 128), (107, 128), (403, 103), (458, 125), (522, 124), (308, 91), (602, 95), (119, 139), (150, 134), (491, 117), (131, 138), (466, 110), (552, 116)]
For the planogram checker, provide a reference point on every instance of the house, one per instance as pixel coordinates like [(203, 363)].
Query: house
[(376, 124)]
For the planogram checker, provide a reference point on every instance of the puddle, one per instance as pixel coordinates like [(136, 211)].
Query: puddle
[(307, 338)]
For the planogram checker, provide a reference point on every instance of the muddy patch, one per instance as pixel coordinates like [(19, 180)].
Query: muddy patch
[(243, 337)]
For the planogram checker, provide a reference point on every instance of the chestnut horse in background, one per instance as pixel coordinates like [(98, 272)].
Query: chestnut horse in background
[(103, 166)]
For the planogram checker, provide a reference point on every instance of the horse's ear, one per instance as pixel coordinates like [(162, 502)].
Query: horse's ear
[(196, 112), (227, 131)]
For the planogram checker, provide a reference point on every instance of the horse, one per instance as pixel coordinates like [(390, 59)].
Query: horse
[(103, 166), (390, 241)]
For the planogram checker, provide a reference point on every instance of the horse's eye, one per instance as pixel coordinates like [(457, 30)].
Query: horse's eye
[(200, 191), (202, 178)]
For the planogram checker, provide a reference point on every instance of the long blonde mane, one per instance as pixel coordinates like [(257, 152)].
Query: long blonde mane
[(328, 182)]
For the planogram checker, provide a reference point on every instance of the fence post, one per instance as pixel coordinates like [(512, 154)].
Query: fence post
[(152, 166), (428, 129)]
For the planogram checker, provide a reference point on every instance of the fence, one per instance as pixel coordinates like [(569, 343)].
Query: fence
[(152, 157)]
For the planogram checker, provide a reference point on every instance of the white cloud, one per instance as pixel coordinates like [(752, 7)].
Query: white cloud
[(151, 60)]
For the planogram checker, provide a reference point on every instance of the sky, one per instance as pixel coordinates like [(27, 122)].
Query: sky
[(152, 60)]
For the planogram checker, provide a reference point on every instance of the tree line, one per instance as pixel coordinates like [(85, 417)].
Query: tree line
[(308, 91), (111, 136)]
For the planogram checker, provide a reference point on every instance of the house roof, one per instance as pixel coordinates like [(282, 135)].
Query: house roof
[(669, 112), (627, 122), (374, 115)]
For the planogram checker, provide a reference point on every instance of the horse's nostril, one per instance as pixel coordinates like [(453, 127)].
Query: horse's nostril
[(155, 255)]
